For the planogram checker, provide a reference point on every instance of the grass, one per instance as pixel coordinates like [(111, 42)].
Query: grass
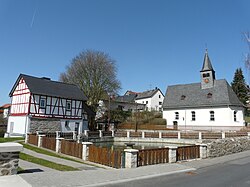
[(49, 153), (247, 119), (46, 163), (2, 140)]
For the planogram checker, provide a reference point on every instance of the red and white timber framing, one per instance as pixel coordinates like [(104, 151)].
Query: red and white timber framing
[(26, 103)]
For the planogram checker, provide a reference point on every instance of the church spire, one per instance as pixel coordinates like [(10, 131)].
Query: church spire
[(207, 66), (207, 73)]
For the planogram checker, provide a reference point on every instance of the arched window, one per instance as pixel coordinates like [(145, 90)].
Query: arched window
[(212, 116), (235, 115), (176, 115), (193, 115)]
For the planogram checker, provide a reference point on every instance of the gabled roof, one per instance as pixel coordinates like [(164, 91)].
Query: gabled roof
[(126, 98), (148, 94), (44, 86), (192, 96), (207, 65)]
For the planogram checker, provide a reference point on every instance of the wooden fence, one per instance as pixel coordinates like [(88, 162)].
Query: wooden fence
[(93, 134), (120, 134), (188, 152), (107, 133), (151, 135), (212, 135), (170, 135), (49, 143), (190, 135), (135, 134), (152, 156), (33, 139), (71, 148), (235, 134), (106, 156)]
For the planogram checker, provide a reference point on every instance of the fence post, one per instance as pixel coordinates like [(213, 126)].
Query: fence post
[(172, 153), (223, 135), (248, 133), (113, 133), (203, 150), (200, 135), (85, 150), (58, 144), (131, 158), (179, 135), (143, 134), (160, 134), (57, 134), (40, 140), (86, 133), (27, 138), (74, 135), (128, 134), (100, 133)]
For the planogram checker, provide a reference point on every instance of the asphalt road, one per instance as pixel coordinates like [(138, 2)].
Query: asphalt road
[(230, 174)]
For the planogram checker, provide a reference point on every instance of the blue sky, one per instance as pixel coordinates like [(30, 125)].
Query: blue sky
[(156, 43)]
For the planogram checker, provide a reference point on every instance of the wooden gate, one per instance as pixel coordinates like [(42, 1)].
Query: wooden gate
[(106, 156), (71, 148), (33, 139), (152, 156), (188, 152)]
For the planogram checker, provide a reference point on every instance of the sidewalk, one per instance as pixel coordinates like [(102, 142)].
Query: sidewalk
[(103, 177), (80, 166)]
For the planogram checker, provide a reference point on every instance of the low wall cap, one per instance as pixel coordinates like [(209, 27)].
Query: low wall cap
[(10, 147)]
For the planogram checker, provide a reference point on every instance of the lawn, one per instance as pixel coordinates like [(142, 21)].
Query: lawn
[(2, 140), (46, 163)]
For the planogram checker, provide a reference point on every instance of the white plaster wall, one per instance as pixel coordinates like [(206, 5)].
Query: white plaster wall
[(224, 116), (71, 126), (21, 124), (153, 102)]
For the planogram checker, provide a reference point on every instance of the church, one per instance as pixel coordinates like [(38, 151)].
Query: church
[(208, 105)]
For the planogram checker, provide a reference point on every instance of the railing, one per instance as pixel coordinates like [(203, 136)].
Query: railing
[(135, 134), (33, 139), (235, 134), (49, 143), (212, 135), (120, 134), (151, 135), (107, 133), (106, 156), (170, 135), (152, 156), (190, 135), (93, 134), (187, 153), (71, 148), (66, 135)]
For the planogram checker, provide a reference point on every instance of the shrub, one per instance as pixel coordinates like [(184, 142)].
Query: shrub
[(2, 133), (158, 121)]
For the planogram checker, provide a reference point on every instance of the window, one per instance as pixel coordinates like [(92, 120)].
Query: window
[(177, 115), (206, 75), (183, 97), (146, 102), (143, 102), (42, 103), (212, 116), (193, 115), (209, 95), (68, 105), (235, 115), (159, 96), (160, 103)]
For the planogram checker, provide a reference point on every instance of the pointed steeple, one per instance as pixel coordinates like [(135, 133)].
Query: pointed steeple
[(207, 66), (207, 73)]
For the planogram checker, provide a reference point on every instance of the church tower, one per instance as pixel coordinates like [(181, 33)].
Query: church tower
[(207, 73)]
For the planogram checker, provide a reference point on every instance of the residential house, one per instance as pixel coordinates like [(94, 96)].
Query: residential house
[(208, 105), (5, 110), (40, 104), (152, 98)]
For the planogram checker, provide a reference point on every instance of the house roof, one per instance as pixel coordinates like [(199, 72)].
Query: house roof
[(126, 98), (44, 86), (147, 94), (5, 106), (192, 96)]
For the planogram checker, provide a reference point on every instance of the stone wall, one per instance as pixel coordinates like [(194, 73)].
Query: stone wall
[(221, 147), (44, 125), (9, 157), (9, 163)]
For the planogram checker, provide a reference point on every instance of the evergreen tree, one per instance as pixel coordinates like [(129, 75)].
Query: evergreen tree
[(239, 86)]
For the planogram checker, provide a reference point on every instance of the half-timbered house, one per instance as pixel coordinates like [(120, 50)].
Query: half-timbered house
[(40, 104)]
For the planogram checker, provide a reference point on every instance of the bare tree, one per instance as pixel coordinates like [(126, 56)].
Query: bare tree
[(95, 73)]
